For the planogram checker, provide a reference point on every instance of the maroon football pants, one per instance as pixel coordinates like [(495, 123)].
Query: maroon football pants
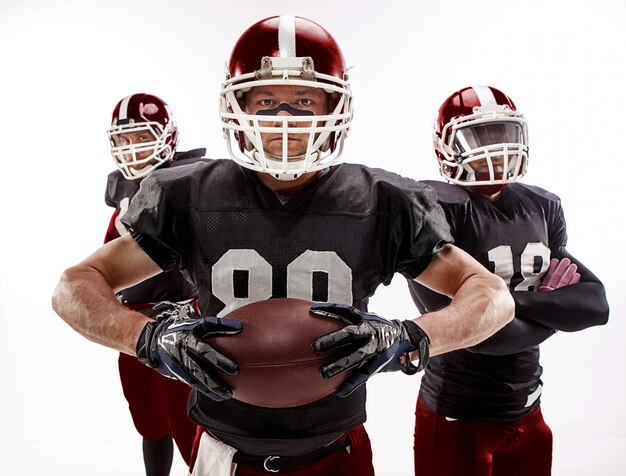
[(157, 404), (355, 462), (481, 448)]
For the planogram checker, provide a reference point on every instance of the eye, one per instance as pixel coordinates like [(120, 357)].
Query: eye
[(266, 102), (305, 102)]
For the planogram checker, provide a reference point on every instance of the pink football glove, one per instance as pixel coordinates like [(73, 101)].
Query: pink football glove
[(560, 273)]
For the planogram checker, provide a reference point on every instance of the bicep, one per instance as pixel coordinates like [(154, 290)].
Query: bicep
[(122, 263)]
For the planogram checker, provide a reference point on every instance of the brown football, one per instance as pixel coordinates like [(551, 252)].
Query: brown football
[(278, 367)]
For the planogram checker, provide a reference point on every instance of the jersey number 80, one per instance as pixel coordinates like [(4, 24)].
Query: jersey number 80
[(255, 273)]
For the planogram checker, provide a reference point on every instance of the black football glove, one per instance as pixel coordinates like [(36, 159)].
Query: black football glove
[(370, 343), (173, 345)]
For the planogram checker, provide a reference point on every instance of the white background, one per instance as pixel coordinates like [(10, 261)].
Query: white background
[(65, 63)]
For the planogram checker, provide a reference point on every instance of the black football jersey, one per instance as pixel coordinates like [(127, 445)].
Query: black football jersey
[(513, 237), (337, 240), (169, 286)]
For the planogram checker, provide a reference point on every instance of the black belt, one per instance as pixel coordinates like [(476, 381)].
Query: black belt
[(274, 464)]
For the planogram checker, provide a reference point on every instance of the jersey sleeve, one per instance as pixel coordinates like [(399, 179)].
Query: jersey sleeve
[(455, 202), (570, 308), (419, 232), (557, 230), (517, 336), (155, 221), (189, 154)]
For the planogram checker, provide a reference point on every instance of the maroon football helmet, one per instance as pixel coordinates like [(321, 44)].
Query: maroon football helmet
[(143, 135), (480, 139), (286, 50)]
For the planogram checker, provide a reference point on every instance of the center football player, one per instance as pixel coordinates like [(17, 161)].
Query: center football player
[(283, 219)]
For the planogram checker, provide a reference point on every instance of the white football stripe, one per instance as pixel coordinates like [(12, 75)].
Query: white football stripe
[(533, 396), (287, 36), (124, 107), (485, 95)]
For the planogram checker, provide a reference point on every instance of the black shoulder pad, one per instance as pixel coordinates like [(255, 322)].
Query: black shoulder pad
[(115, 182), (447, 192), (188, 154), (538, 191)]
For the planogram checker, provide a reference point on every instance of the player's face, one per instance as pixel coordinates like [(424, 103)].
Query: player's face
[(286, 101), (482, 167), (135, 138), (493, 136), (485, 135)]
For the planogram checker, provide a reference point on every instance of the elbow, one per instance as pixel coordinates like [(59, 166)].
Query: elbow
[(592, 311), (498, 310), (597, 306), (504, 305), (501, 307), (604, 318), (601, 316), (595, 317), (603, 310), (64, 292), (58, 292)]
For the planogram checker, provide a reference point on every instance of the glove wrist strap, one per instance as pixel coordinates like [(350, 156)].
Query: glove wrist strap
[(143, 343), (421, 341)]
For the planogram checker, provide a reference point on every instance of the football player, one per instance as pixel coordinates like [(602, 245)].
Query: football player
[(283, 219), (478, 410), (143, 137)]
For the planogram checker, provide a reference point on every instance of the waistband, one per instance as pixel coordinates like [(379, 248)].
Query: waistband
[(275, 464)]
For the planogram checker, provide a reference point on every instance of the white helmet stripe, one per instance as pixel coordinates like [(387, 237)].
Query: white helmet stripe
[(485, 95), (124, 107), (287, 36)]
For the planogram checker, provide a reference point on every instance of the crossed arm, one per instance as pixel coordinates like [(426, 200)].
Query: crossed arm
[(570, 308), (539, 315)]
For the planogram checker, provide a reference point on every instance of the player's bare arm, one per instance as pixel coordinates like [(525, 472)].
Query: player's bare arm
[(369, 344), (85, 299), (85, 295), (481, 303)]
